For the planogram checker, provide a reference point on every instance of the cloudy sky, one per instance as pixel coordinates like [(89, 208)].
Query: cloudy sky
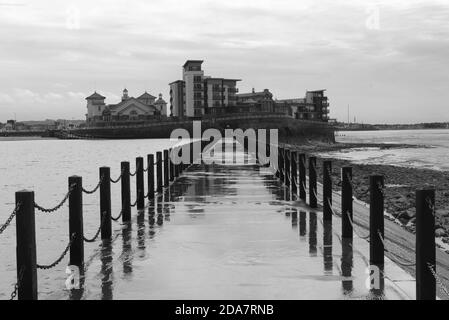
[(388, 60)]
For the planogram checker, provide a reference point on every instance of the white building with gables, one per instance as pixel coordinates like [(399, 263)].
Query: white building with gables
[(144, 107)]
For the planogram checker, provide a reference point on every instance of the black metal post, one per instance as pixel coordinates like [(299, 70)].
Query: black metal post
[(177, 166), (76, 222), (126, 192), (150, 178), (312, 183), (346, 203), (302, 176), (425, 245), (281, 163), (287, 168), (159, 171), (140, 184), (166, 169), (192, 157), (376, 220), (327, 190), (26, 246), (105, 203), (171, 164), (294, 174)]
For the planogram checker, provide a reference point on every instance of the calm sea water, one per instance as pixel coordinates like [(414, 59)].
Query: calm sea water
[(44, 166), (433, 154)]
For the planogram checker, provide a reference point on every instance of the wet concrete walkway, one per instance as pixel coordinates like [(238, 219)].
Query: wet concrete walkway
[(234, 232)]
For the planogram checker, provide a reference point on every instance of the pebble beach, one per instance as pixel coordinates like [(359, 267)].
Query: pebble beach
[(400, 184)]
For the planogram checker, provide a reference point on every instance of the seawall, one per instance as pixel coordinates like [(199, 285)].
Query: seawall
[(289, 129)]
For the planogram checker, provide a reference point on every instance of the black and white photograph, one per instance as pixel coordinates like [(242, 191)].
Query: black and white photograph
[(224, 159)]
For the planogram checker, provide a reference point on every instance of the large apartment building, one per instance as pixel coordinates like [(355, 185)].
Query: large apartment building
[(314, 106), (196, 94)]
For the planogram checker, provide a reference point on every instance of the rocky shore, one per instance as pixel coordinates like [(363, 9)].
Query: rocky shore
[(401, 184)]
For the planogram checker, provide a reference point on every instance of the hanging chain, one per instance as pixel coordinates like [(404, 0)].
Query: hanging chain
[(381, 188), (118, 179), (133, 174), (430, 205), (17, 284), (353, 227), (438, 280), (135, 203), (38, 207), (397, 257), (45, 267), (332, 209), (98, 231), (96, 187), (118, 217), (10, 218)]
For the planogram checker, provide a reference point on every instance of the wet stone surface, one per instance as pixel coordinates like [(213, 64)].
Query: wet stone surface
[(231, 232)]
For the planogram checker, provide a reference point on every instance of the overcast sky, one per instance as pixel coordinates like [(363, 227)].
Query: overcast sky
[(388, 60)]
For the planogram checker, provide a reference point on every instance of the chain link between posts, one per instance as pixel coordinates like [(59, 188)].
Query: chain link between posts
[(397, 258), (133, 174), (63, 254), (431, 206), (17, 284), (96, 187), (98, 231), (332, 208), (118, 179), (135, 203), (10, 218), (353, 227), (58, 206), (118, 217), (438, 280)]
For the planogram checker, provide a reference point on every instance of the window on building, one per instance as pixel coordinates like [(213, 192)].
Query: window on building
[(133, 115), (197, 78)]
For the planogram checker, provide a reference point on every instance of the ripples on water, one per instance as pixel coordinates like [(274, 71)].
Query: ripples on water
[(433, 154)]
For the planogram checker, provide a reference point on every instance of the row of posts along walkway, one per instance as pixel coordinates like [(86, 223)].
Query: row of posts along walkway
[(227, 231)]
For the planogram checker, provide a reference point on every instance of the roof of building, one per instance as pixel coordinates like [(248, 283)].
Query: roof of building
[(177, 81), (146, 95), (313, 91), (95, 95), (224, 79), (160, 100), (291, 100), (250, 101), (115, 105), (253, 94), (192, 61)]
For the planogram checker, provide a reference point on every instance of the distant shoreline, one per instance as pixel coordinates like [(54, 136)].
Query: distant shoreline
[(25, 138), (388, 128)]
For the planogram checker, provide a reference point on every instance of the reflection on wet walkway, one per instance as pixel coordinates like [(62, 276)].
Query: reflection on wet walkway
[(231, 232)]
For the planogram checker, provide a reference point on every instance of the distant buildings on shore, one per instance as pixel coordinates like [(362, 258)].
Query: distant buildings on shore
[(40, 126), (144, 107), (199, 96)]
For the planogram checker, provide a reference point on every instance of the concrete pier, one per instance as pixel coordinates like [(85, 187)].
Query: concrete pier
[(233, 232)]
